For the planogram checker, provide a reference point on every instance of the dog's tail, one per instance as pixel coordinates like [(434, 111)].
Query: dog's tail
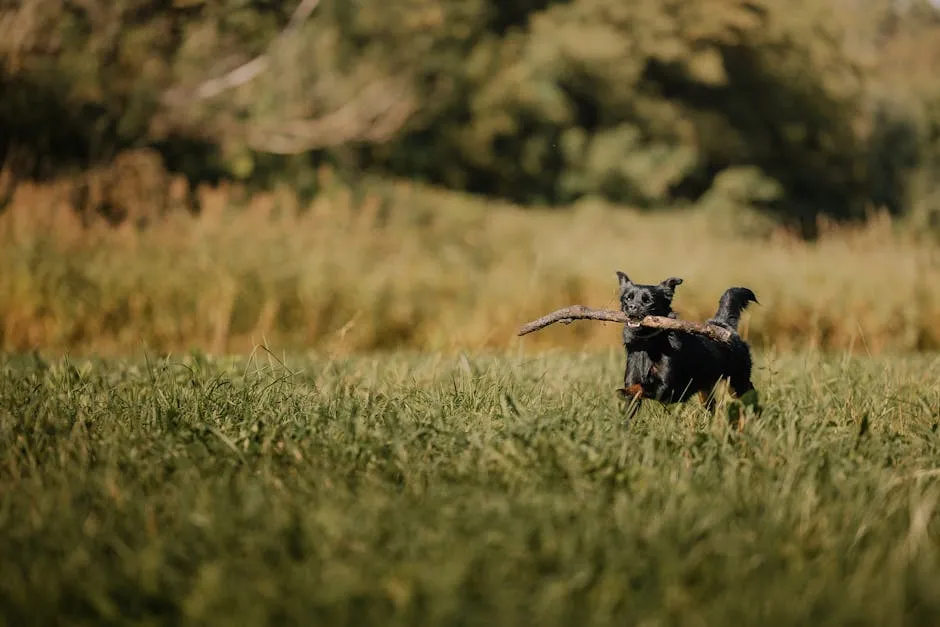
[(734, 301)]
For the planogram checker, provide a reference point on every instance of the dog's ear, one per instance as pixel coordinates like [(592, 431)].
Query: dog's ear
[(670, 284), (623, 279)]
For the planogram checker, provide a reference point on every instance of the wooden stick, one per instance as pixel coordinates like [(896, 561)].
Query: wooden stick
[(580, 312)]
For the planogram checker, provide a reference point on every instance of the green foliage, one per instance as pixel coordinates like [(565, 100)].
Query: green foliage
[(909, 145), (438, 491), (640, 102), (643, 102)]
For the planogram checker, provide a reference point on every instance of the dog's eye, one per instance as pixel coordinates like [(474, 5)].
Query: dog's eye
[(630, 296), (646, 299)]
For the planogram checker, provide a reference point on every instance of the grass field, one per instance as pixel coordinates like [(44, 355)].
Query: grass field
[(404, 267), (489, 490)]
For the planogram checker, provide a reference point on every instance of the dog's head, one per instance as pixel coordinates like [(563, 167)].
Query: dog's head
[(639, 301)]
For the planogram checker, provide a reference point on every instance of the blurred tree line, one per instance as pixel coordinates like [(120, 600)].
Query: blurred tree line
[(797, 108)]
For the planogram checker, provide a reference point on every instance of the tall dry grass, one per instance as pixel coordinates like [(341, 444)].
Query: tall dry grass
[(404, 267)]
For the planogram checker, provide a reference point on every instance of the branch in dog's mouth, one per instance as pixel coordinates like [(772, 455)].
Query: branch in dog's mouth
[(580, 312)]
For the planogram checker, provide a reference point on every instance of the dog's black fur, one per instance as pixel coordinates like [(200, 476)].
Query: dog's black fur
[(670, 366)]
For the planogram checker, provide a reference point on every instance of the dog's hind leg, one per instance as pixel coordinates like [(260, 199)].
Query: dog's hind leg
[(744, 389)]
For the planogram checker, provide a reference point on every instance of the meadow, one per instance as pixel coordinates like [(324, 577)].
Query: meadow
[(241, 386), (486, 489), (273, 412), (398, 266)]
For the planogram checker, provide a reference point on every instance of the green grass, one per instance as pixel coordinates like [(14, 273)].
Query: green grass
[(490, 490)]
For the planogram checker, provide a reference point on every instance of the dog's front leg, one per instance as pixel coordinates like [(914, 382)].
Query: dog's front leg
[(633, 395), (708, 398)]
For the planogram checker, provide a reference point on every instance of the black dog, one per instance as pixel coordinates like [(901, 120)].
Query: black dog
[(670, 366)]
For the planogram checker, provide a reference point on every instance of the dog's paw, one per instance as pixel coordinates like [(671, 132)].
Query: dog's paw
[(747, 404), (751, 399)]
